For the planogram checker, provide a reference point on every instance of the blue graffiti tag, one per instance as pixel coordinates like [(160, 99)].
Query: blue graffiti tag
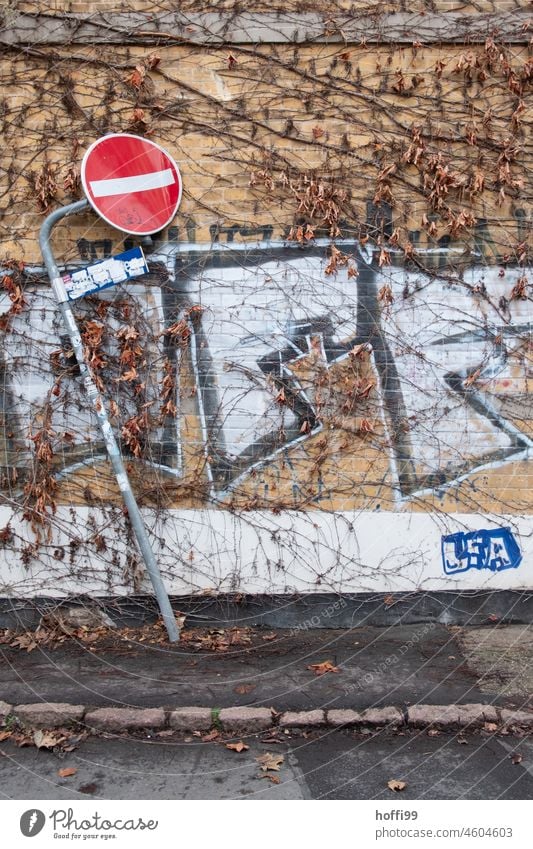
[(495, 550)]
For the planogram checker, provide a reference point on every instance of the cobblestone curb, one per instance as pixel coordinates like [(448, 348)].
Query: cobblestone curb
[(453, 716), (48, 714), (5, 711), (125, 719), (243, 720), (251, 720), (302, 719)]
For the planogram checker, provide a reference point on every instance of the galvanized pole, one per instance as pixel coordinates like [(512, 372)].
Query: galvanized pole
[(97, 403)]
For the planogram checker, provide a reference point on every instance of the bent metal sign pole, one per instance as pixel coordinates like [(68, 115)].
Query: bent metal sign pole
[(136, 186)]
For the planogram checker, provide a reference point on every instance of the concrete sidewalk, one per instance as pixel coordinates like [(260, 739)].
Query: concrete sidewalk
[(401, 665)]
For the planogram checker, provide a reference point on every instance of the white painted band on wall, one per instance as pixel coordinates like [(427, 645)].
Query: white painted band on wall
[(206, 550), (128, 185)]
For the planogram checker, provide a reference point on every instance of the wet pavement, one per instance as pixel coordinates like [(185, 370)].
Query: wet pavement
[(327, 765)]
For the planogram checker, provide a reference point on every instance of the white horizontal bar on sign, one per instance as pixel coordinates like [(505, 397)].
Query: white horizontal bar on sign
[(129, 185)]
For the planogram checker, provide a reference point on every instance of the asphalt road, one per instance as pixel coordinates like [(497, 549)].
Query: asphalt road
[(332, 765)]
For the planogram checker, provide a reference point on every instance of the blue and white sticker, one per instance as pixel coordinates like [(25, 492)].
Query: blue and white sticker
[(105, 273)]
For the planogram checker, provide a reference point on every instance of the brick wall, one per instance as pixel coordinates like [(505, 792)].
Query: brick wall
[(338, 319)]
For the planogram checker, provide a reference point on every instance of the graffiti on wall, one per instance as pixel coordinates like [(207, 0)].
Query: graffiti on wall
[(495, 550), (429, 375)]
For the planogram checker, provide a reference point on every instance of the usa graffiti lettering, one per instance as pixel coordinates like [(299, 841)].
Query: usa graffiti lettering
[(495, 550)]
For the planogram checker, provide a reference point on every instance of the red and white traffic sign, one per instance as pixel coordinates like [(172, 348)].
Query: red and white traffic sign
[(131, 182)]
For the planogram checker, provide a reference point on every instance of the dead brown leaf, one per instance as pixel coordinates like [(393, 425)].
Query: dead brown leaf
[(25, 641), (216, 639), (516, 758), (270, 761), (67, 771), (490, 726), (359, 350), (242, 689), (47, 739), (22, 740), (4, 735), (237, 747), (275, 779), (136, 78), (72, 743), (322, 668), (213, 735), (396, 786)]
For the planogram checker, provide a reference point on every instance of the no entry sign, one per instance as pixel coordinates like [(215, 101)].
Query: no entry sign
[(132, 183)]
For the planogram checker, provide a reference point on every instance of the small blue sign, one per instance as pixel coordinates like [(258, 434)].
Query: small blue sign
[(495, 550), (105, 273)]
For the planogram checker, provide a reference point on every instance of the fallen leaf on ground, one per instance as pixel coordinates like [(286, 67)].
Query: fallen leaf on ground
[(47, 740), (516, 758), (322, 668), (396, 785), (490, 726), (22, 740), (211, 736), (242, 689), (433, 732), (275, 779), (462, 741), (89, 788), (237, 747), (72, 743), (270, 761), (4, 735), (25, 641), (67, 771), (216, 639), (268, 637)]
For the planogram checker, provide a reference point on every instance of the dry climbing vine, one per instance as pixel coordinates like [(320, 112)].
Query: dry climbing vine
[(390, 167)]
